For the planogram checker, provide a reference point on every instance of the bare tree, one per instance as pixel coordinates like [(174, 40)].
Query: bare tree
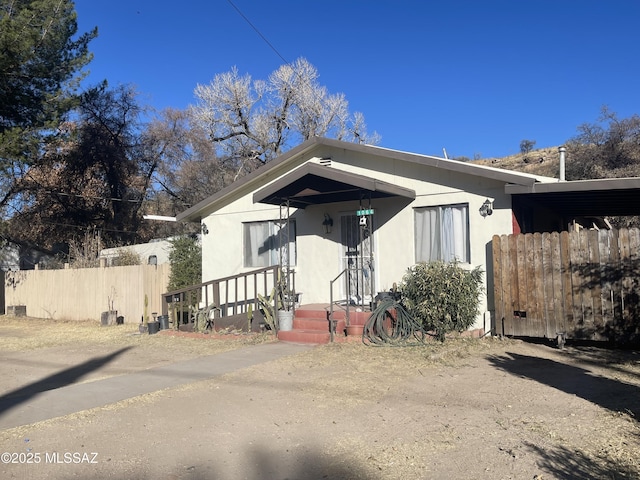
[(608, 148), (251, 122), (188, 167), (237, 125), (526, 146)]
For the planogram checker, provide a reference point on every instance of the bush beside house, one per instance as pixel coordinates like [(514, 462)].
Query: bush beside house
[(443, 297)]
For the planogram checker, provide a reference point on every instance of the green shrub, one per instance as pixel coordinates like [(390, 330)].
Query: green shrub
[(185, 258), (444, 297)]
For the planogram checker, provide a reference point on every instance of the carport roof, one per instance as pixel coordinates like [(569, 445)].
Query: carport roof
[(314, 184), (602, 197)]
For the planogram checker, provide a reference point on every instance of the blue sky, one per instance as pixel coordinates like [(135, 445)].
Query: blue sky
[(474, 77)]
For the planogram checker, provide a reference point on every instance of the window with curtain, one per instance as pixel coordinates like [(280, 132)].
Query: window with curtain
[(442, 233), (262, 242)]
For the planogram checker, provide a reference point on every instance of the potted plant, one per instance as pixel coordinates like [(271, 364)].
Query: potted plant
[(111, 315), (278, 307), (152, 327), (392, 294), (286, 301)]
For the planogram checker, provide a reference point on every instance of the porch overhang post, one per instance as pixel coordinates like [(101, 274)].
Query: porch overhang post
[(275, 299)]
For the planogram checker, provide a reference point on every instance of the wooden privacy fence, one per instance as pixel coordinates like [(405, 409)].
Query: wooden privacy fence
[(582, 285), (84, 293)]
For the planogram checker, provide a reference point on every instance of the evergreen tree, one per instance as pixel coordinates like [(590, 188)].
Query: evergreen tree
[(186, 262), (41, 62)]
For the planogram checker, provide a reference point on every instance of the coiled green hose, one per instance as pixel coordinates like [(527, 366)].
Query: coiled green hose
[(390, 324)]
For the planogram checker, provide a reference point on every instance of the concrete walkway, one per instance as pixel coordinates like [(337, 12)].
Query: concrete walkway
[(31, 407)]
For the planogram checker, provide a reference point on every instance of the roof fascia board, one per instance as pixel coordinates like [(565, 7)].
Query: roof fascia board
[(509, 176), (193, 213), (359, 181), (576, 186), (264, 172)]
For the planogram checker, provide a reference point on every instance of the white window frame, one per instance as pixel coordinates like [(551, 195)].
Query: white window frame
[(442, 233), (262, 245)]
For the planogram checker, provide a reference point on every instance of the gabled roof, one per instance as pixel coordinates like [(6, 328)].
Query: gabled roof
[(277, 168), (314, 184)]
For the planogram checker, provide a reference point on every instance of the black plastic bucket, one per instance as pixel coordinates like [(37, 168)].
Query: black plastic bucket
[(154, 327), (163, 320)]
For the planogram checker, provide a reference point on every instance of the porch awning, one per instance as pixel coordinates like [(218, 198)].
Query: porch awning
[(314, 184)]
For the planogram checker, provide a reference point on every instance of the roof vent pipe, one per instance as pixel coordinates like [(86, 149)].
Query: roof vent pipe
[(562, 151)]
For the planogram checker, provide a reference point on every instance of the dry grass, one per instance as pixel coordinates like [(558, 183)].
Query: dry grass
[(350, 374), (544, 161), (375, 375), (26, 333)]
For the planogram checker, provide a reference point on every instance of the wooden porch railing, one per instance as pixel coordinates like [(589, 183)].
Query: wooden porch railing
[(226, 301)]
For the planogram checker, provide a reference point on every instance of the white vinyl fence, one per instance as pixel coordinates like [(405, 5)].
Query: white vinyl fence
[(84, 293)]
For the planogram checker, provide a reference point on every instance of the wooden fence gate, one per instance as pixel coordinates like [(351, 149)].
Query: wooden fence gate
[(576, 285)]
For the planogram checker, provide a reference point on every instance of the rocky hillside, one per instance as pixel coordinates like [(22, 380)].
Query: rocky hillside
[(544, 161)]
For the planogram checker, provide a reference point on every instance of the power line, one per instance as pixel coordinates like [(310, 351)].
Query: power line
[(258, 32), (295, 71), (85, 227), (96, 197)]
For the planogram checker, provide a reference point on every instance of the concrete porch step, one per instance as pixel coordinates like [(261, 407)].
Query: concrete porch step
[(304, 336), (321, 311), (311, 325), (320, 324)]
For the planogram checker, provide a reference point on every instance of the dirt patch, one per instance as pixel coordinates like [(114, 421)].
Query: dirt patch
[(31, 348), (467, 409)]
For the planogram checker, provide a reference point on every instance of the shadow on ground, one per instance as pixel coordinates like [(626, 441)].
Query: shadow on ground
[(263, 464), (58, 380), (614, 395), (615, 359), (569, 464)]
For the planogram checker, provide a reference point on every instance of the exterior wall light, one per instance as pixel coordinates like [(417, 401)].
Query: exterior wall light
[(204, 229), (486, 208), (327, 223)]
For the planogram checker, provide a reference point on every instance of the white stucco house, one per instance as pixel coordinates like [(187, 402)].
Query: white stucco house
[(348, 204)]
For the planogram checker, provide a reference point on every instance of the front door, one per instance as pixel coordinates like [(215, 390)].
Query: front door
[(357, 256)]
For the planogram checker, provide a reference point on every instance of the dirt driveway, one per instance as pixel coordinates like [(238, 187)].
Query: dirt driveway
[(469, 409)]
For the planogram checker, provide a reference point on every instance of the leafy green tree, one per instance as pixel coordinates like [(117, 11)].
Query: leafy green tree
[(185, 259)]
